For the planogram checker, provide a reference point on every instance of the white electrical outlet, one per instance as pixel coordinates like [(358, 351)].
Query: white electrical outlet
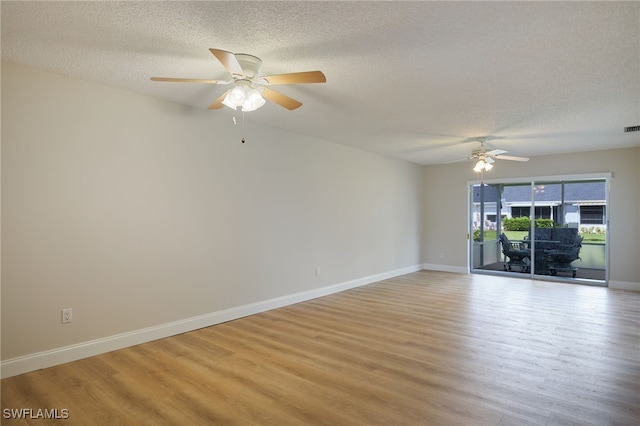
[(317, 272), (67, 315)]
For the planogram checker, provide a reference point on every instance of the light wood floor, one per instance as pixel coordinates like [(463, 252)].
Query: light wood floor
[(428, 348)]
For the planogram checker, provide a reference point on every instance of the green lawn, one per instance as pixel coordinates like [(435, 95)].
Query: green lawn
[(594, 238), (512, 235), (520, 235)]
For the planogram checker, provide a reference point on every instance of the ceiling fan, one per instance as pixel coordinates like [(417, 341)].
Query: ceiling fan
[(250, 91), (485, 159)]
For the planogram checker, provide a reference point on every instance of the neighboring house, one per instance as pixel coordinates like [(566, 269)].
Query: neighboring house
[(572, 204)]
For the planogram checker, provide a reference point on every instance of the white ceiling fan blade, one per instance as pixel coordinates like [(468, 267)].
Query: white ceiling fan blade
[(510, 157), (460, 160), (489, 160), (495, 152), (189, 80)]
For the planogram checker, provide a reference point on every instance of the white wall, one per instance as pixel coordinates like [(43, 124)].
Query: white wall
[(137, 212), (445, 228)]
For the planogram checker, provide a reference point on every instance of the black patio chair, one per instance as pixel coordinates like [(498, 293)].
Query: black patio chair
[(560, 259), (516, 254)]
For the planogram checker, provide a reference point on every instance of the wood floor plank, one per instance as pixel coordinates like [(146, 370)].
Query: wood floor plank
[(428, 348)]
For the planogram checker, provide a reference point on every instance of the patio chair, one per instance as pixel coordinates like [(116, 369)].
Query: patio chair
[(560, 259), (516, 254)]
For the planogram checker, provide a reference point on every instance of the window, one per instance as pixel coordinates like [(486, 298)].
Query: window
[(520, 211), (543, 212), (592, 215)]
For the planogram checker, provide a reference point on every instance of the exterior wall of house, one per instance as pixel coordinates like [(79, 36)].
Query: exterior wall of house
[(516, 202), (572, 216)]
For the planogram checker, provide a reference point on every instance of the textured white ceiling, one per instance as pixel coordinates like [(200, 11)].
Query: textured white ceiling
[(415, 80)]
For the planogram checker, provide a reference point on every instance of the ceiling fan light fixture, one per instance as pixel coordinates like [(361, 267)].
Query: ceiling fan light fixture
[(236, 97), (226, 102), (483, 165), (253, 100), (241, 96)]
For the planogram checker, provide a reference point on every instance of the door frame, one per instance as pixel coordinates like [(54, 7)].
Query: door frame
[(606, 177)]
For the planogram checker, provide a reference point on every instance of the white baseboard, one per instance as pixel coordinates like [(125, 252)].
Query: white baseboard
[(445, 268), (624, 285), (37, 361), (617, 285)]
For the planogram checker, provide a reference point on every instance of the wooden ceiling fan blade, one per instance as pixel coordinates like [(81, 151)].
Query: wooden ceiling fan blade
[(217, 104), (188, 80), (280, 99), (510, 157), (229, 61), (297, 78)]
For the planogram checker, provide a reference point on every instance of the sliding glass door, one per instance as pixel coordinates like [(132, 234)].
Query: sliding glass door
[(548, 228)]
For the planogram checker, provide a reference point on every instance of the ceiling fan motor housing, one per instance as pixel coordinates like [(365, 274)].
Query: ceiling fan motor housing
[(478, 153), (250, 64)]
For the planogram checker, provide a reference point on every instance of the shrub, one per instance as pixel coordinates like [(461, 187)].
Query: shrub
[(516, 223), (524, 223), (544, 223)]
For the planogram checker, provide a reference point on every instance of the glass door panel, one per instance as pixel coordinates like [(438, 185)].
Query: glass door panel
[(494, 227), (585, 210), (547, 219), (516, 228), (485, 221)]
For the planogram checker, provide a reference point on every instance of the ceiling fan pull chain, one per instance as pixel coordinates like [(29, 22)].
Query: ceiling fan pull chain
[(235, 123), (242, 126)]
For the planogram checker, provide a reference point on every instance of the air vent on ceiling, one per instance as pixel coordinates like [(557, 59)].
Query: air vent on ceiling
[(632, 129)]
